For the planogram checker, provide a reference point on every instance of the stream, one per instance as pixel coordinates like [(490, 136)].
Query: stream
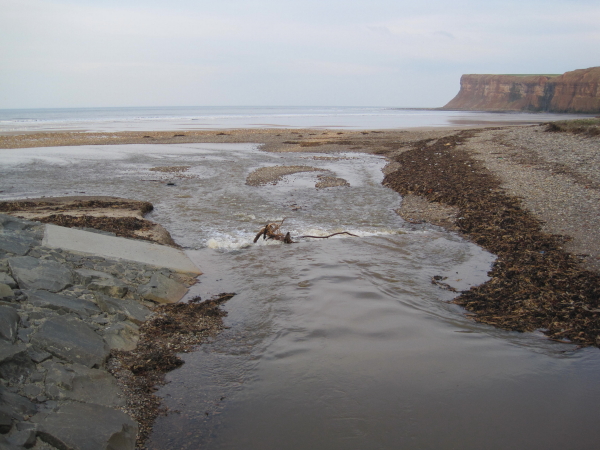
[(340, 343)]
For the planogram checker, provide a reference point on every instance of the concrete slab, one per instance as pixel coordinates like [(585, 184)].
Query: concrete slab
[(120, 248)]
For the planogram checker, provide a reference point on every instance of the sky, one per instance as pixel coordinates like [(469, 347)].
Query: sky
[(103, 53)]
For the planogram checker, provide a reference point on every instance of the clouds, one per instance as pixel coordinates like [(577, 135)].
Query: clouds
[(397, 53)]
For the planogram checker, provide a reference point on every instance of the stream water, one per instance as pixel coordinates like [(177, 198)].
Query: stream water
[(340, 343)]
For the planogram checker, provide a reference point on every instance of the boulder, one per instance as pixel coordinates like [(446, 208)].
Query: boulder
[(15, 405), (71, 340), (80, 426), (15, 363), (31, 273), (133, 310), (12, 244), (9, 320), (61, 303), (8, 280), (162, 289), (113, 287), (82, 384), (122, 336), (6, 291)]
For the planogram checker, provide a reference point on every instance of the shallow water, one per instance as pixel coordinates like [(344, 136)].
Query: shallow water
[(332, 344), (221, 117)]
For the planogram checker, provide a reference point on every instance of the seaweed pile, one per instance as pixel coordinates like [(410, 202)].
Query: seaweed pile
[(61, 204), (121, 226), (174, 328), (535, 284)]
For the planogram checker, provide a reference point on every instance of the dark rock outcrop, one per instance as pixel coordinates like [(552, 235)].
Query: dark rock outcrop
[(572, 92)]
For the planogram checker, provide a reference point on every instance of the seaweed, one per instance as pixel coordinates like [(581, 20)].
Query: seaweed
[(535, 284)]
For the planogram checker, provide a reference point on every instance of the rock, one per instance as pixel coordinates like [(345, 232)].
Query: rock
[(133, 310), (9, 320), (61, 303), (114, 287), (10, 244), (8, 350), (23, 438), (6, 291), (31, 273), (15, 405), (15, 363), (80, 426), (79, 383), (71, 340), (7, 279), (122, 336), (5, 423), (37, 355), (86, 276), (161, 289), (13, 224)]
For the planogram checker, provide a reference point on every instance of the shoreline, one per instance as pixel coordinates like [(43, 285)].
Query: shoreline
[(502, 188), (552, 177)]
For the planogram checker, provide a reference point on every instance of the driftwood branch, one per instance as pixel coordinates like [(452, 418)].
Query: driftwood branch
[(325, 237), (272, 231)]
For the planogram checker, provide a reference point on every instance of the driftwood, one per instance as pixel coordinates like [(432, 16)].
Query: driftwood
[(272, 231)]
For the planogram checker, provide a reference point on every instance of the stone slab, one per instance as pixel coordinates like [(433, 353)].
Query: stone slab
[(71, 340), (162, 289), (9, 320), (33, 273), (119, 248), (8, 280), (80, 426), (57, 302), (79, 383), (133, 310)]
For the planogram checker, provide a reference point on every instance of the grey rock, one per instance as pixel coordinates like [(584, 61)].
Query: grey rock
[(24, 334), (80, 426), (122, 336), (72, 340), (23, 438), (32, 390), (8, 350), (112, 287), (37, 355), (61, 303), (18, 368), (133, 310), (8, 280), (6, 291), (6, 423), (12, 244), (13, 224), (31, 273), (79, 383), (9, 321), (161, 289), (86, 276), (15, 405)]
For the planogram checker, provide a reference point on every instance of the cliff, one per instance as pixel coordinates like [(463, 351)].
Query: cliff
[(572, 92)]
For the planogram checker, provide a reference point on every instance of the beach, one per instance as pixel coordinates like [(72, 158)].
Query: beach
[(527, 195), (554, 177)]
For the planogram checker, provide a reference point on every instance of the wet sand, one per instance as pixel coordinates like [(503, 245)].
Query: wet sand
[(511, 189)]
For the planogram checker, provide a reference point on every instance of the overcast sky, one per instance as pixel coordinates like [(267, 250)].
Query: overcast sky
[(79, 53)]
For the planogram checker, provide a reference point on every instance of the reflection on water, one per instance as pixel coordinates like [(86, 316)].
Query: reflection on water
[(332, 344)]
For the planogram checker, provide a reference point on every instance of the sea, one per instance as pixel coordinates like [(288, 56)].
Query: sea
[(221, 117), (330, 344)]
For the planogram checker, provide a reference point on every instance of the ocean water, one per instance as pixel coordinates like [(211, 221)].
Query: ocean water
[(220, 117)]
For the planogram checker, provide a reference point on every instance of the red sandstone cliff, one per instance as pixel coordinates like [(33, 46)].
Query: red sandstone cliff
[(573, 92)]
